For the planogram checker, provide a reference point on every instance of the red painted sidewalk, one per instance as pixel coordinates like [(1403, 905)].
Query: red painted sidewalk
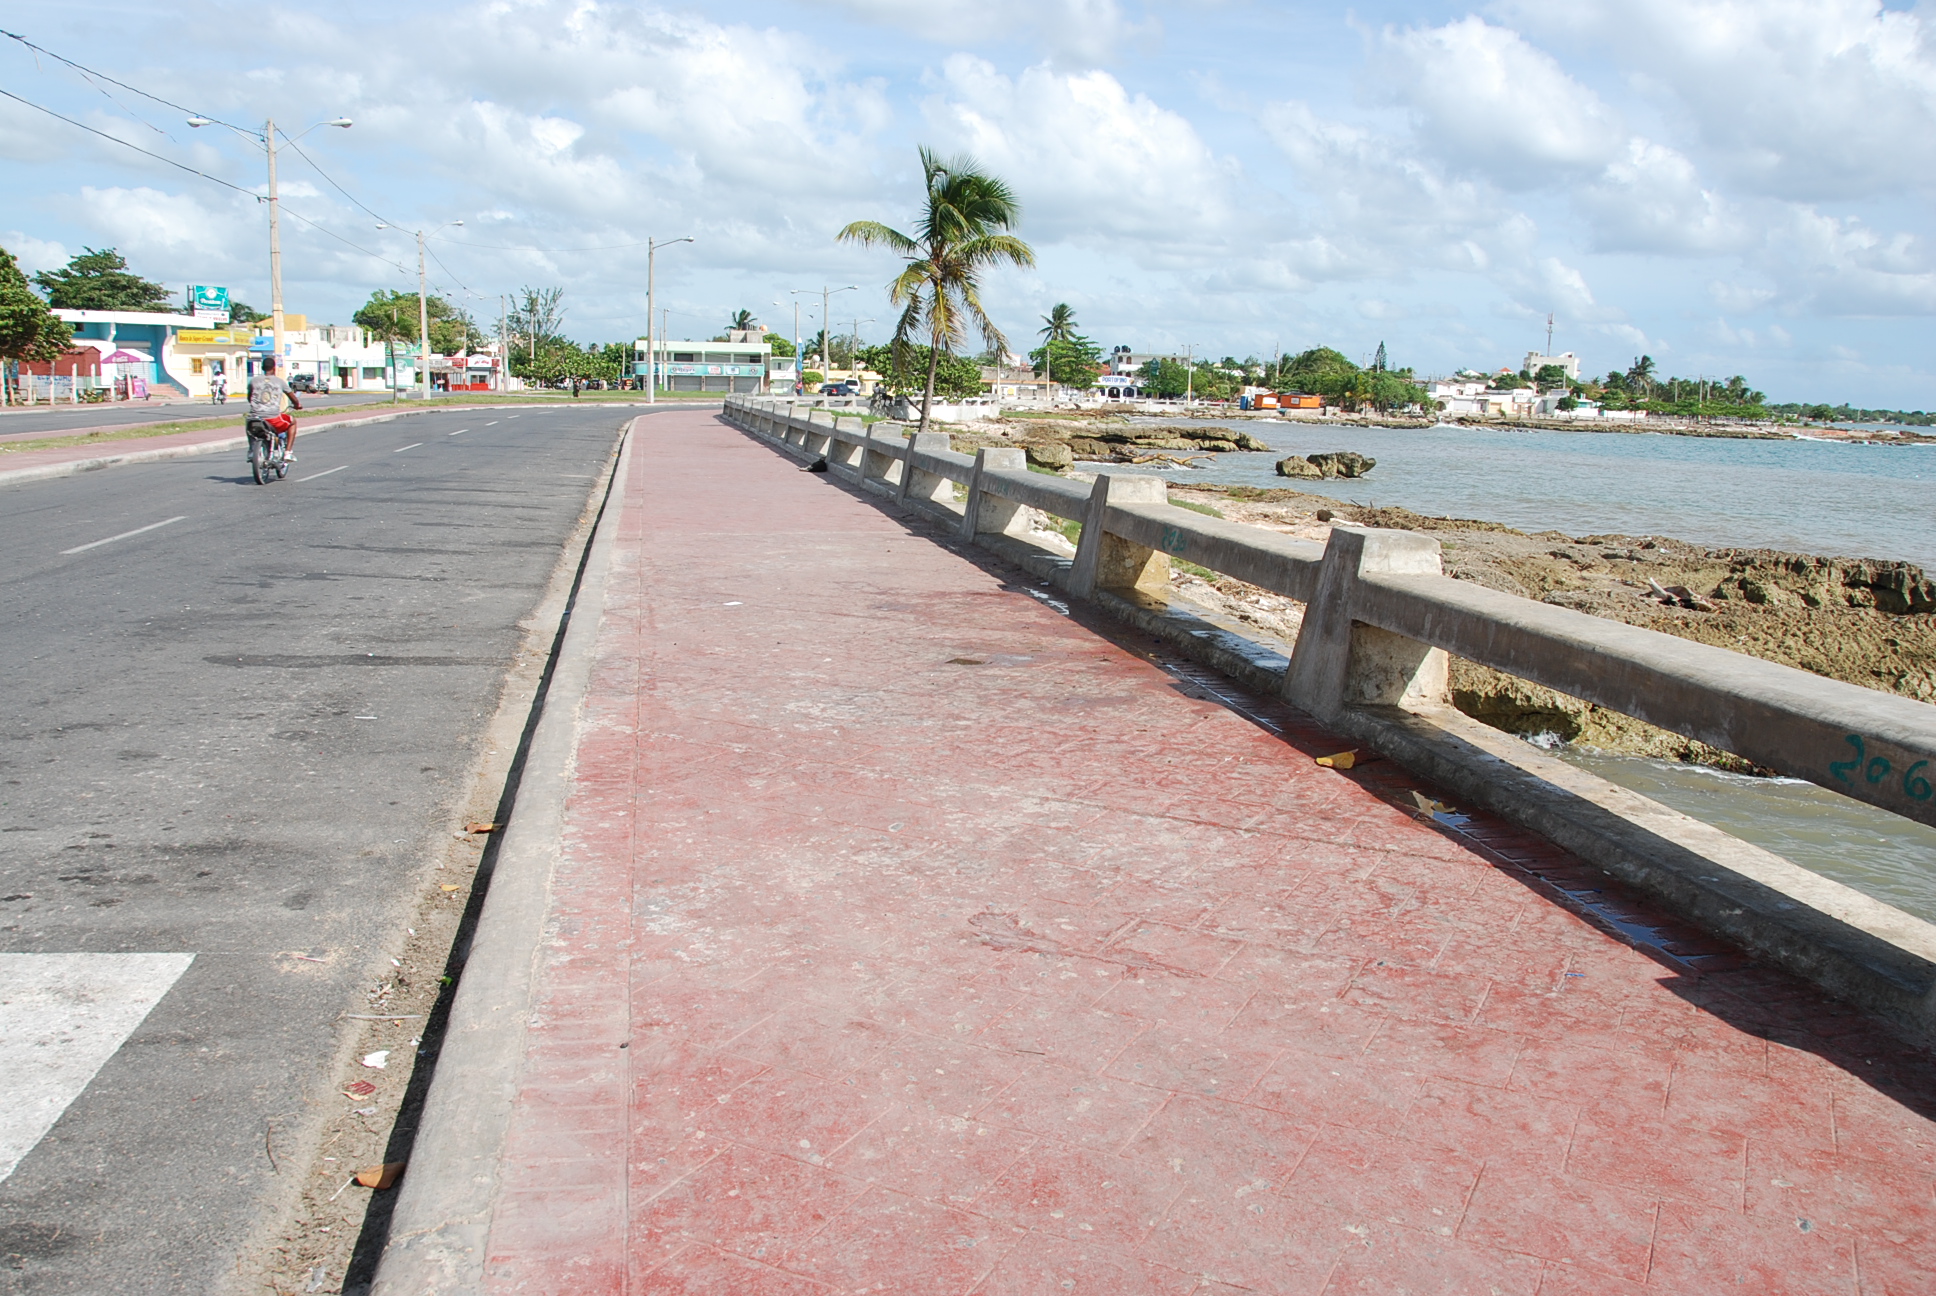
[(913, 937)]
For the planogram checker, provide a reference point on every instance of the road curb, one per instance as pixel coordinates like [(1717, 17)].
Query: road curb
[(441, 1225), (48, 472)]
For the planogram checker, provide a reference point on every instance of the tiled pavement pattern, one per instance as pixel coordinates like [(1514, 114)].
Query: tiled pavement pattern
[(913, 937)]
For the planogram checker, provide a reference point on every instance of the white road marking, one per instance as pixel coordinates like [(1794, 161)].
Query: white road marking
[(458, 432), (492, 423), (62, 1016), (412, 446), (123, 536), (324, 473)]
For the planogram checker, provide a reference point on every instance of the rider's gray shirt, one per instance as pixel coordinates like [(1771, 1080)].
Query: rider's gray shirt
[(266, 392)]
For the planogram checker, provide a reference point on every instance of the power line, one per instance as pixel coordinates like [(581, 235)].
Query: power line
[(446, 269), (90, 72), (323, 229), (610, 247), (125, 144), (169, 103), (203, 174), (385, 220)]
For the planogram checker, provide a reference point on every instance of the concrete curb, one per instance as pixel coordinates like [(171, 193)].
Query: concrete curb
[(442, 1221), (47, 472)]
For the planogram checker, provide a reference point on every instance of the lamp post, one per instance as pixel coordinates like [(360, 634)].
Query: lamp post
[(853, 361), (268, 139), (423, 311), (826, 329), (652, 341)]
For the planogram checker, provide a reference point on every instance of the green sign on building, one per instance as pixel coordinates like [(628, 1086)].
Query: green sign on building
[(208, 302)]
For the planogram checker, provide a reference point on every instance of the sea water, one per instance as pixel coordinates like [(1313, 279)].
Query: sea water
[(1810, 496)]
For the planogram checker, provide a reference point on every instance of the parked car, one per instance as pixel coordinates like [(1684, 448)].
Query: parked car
[(848, 388), (308, 383)]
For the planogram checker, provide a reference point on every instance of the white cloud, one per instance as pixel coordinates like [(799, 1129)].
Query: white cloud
[(1094, 164), (1798, 99), (1484, 98), (1084, 31), (1650, 199), (34, 254)]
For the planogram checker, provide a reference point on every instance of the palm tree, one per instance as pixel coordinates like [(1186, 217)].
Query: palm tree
[(1641, 375), (958, 236), (1059, 325), (741, 321)]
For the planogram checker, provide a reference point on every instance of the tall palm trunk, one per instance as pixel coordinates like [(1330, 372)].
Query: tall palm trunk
[(927, 395)]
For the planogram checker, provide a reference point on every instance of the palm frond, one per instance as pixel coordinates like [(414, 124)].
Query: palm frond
[(875, 234)]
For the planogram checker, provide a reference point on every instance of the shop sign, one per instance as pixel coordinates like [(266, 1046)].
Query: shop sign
[(204, 337), (209, 302)]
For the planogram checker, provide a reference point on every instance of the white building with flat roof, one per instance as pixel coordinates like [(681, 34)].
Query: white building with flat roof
[(740, 367), (1565, 360)]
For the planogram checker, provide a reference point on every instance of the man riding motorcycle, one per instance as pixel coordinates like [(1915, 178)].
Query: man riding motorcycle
[(267, 392)]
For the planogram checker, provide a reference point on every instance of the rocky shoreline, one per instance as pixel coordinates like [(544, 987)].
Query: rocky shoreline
[(1863, 621), (1086, 425)]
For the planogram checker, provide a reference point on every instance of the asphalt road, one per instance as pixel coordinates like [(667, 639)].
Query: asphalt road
[(234, 735), (62, 418)]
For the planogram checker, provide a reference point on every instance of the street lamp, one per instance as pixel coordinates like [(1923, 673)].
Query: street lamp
[(853, 361), (423, 312), (268, 139), (652, 340), (826, 342)]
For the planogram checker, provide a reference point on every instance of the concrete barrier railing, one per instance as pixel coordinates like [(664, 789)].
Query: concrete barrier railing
[(1372, 660)]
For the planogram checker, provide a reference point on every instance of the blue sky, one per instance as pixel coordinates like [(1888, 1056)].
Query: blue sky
[(1728, 186)]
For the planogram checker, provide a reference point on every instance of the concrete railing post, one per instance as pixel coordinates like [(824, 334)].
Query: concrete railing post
[(846, 455), (1105, 561), (879, 465), (985, 513), (931, 488), (1339, 662)]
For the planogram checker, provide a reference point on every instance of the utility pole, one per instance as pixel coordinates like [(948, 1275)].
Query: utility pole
[(275, 213), (652, 247), (423, 322), (1549, 332), (1189, 373), (275, 244), (826, 327)]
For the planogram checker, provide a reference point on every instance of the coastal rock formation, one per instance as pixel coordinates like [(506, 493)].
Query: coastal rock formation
[(1051, 454), (1864, 621), (1331, 463), (1107, 439)]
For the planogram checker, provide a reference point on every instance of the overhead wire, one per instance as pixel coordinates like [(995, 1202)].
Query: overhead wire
[(182, 166), (90, 72), (332, 181), (493, 247)]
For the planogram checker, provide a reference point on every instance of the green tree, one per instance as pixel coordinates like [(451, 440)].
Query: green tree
[(100, 280), (391, 317), (741, 321), (243, 313), (782, 346), (1640, 376), (1073, 361), (960, 234), (906, 371), (537, 318), (28, 329)]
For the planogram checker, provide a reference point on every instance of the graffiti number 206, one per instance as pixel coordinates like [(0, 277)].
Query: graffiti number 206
[(1874, 769)]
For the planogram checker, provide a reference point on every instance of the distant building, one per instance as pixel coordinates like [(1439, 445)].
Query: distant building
[(741, 366), (142, 342), (1565, 360)]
